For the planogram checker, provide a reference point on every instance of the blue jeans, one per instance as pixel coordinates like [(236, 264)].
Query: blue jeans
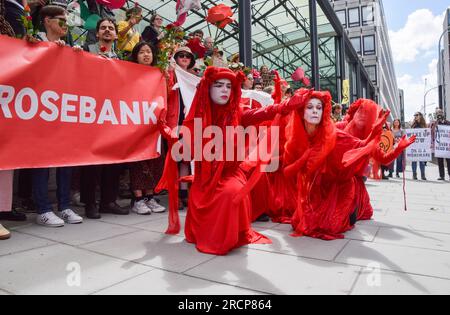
[(40, 189), (400, 163), (422, 168)]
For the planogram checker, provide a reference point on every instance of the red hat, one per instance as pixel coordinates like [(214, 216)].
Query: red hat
[(222, 116), (323, 140)]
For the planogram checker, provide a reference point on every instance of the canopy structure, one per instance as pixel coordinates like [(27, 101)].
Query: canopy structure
[(285, 35)]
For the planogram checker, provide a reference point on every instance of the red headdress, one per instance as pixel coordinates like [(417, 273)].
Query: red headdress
[(209, 173), (368, 112), (312, 149)]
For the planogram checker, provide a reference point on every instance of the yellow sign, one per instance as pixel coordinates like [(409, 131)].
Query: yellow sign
[(345, 92)]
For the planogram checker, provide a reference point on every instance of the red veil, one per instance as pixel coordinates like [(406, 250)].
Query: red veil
[(305, 158), (307, 153), (215, 222)]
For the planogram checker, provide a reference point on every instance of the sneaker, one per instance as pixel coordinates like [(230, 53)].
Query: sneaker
[(49, 219), (141, 208), (155, 206), (71, 217)]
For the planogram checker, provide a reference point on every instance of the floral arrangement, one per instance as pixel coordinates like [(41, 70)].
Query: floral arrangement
[(27, 22), (168, 45)]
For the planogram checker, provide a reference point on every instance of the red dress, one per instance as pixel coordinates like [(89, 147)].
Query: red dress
[(324, 164), (219, 213)]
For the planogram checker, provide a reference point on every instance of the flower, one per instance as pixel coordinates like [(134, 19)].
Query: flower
[(102, 49), (27, 9), (220, 15), (197, 47), (29, 18)]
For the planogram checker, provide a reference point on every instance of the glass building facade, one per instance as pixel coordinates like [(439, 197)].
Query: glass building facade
[(285, 35)]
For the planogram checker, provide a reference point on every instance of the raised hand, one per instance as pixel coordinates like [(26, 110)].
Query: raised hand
[(405, 142)]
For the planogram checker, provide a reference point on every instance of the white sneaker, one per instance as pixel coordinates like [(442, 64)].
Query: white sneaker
[(71, 217), (49, 219), (141, 208), (155, 206)]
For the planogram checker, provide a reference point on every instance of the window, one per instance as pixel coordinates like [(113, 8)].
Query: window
[(372, 71), (356, 42), (367, 14), (369, 45), (342, 15), (353, 17)]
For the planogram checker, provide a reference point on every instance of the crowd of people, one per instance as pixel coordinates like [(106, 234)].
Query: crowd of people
[(324, 153)]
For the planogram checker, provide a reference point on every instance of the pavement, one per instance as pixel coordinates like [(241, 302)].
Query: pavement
[(398, 252)]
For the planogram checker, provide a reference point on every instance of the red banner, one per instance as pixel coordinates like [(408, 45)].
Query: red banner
[(64, 108)]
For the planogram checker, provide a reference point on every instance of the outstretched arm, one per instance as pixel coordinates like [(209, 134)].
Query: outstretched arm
[(388, 158)]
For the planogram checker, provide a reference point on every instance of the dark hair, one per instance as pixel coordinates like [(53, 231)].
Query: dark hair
[(51, 11), (199, 32), (289, 91), (422, 122), (153, 18), (133, 11), (399, 122), (137, 49), (106, 19)]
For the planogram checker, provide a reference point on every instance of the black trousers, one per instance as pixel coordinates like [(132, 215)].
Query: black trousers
[(107, 176), (441, 163)]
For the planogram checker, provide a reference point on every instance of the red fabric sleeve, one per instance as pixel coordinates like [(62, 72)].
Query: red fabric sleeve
[(254, 117)]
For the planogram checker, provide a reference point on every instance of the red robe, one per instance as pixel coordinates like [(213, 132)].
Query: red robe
[(215, 222)]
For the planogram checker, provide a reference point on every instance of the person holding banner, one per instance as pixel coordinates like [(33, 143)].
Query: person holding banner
[(106, 176), (144, 175), (106, 35), (419, 123), (440, 121)]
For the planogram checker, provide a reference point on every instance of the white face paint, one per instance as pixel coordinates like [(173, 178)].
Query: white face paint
[(220, 92), (314, 111)]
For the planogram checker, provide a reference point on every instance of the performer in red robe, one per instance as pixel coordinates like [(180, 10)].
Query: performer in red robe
[(358, 122), (325, 162), (219, 215)]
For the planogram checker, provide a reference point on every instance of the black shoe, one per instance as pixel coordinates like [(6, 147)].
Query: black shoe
[(391, 175), (441, 179), (415, 177), (424, 178), (13, 216), (398, 175), (385, 177), (91, 212), (263, 218), (113, 208)]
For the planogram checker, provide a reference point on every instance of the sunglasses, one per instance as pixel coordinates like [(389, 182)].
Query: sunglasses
[(61, 21), (184, 55)]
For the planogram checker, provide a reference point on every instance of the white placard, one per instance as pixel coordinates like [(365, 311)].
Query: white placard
[(420, 151), (442, 142)]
